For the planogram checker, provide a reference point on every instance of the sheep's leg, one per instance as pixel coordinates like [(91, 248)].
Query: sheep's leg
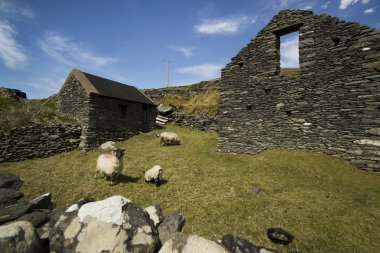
[(113, 179), (157, 181), (96, 174)]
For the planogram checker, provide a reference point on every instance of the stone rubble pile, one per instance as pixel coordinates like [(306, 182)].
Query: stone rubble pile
[(115, 224)]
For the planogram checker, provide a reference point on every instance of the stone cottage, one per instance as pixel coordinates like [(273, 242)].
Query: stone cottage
[(332, 105), (106, 109)]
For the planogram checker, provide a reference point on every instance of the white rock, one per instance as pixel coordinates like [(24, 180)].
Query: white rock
[(154, 214), (108, 145), (72, 208), (20, 237), (108, 210), (368, 142), (192, 244)]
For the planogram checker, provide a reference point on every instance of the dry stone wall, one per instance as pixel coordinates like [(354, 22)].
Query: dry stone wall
[(333, 106), (37, 141)]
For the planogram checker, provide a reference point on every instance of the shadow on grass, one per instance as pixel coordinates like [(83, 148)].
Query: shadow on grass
[(163, 181), (127, 179)]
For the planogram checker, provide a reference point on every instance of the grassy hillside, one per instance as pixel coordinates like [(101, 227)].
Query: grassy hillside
[(17, 113), (204, 98), (328, 205)]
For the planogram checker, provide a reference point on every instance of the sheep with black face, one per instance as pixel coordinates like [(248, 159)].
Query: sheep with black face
[(111, 165)]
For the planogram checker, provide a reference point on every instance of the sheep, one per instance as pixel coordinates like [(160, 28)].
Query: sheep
[(169, 138), (154, 174), (111, 165)]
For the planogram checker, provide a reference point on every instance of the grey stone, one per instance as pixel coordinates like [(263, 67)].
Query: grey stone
[(165, 110), (9, 196), (155, 214), (13, 212), (170, 225), (181, 243), (111, 225), (42, 202), (108, 145), (37, 218), (9, 180), (236, 244), (19, 237), (255, 189)]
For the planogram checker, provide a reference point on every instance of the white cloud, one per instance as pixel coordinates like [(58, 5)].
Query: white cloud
[(52, 85), (206, 71), (65, 51), (345, 3), (186, 51), (307, 7), (325, 5), (12, 8), (223, 26), (370, 10), (365, 1), (289, 53), (11, 53)]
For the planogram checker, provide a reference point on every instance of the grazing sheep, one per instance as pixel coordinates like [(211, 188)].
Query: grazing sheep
[(111, 165), (154, 174), (169, 138)]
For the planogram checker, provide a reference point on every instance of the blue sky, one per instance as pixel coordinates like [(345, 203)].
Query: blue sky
[(129, 40)]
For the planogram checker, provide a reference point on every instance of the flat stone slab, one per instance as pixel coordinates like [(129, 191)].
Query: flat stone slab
[(9, 180)]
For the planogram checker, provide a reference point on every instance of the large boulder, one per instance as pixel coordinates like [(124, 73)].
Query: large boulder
[(111, 225), (155, 214), (19, 237), (170, 225), (108, 145), (13, 212), (9, 196), (181, 243), (10, 181), (165, 110)]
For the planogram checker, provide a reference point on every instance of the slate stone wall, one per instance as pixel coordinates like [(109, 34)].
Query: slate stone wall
[(73, 100), (116, 120), (37, 141), (333, 106)]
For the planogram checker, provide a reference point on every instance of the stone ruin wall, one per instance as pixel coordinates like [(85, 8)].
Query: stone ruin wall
[(37, 141), (333, 106)]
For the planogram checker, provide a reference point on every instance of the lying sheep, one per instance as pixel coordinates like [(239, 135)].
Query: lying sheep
[(169, 138), (111, 165), (154, 174)]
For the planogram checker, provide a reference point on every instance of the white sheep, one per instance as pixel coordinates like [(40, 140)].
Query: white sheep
[(111, 165), (154, 174), (169, 138)]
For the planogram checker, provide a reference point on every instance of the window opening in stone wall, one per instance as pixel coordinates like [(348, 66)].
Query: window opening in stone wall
[(336, 41), (289, 54), (123, 111)]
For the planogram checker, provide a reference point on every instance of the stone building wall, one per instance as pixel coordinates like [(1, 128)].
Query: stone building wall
[(37, 141), (73, 100), (333, 106), (115, 119)]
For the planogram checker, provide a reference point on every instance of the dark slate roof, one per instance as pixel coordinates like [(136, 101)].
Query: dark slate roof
[(109, 88)]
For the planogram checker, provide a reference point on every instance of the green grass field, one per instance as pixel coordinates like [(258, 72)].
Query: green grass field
[(327, 204)]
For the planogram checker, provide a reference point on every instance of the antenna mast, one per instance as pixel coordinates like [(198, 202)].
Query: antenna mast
[(168, 70)]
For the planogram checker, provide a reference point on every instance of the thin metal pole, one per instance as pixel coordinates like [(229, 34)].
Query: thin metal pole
[(168, 71)]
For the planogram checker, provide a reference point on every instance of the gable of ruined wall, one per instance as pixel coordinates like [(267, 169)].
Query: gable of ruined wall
[(332, 106)]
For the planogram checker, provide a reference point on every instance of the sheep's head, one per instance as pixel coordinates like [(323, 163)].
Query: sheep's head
[(118, 152)]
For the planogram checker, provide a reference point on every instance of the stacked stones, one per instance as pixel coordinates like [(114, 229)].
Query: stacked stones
[(202, 122), (332, 106), (38, 141)]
